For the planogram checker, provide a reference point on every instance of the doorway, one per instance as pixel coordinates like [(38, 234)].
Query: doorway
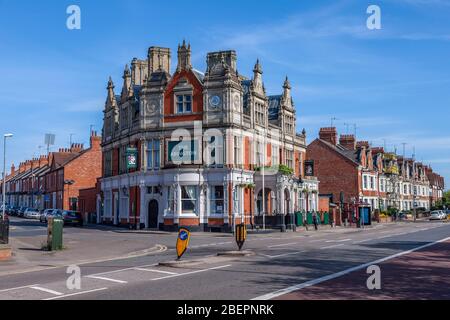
[(153, 213)]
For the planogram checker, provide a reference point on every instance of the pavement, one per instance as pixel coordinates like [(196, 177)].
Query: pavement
[(281, 264)]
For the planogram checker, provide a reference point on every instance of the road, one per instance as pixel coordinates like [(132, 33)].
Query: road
[(282, 264)]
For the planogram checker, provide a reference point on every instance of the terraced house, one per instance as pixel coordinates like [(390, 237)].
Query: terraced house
[(189, 148), (54, 180), (354, 173)]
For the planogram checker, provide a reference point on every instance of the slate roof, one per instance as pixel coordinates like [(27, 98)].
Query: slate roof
[(352, 155), (274, 106), (200, 75), (61, 158)]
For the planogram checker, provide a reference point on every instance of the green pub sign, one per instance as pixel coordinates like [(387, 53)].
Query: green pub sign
[(132, 156)]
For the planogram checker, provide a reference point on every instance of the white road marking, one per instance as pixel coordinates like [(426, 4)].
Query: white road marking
[(76, 294), (192, 272), (18, 288), (333, 246), (107, 279), (56, 293), (156, 271), (282, 245), (280, 255), (120, 270), (341, 240), (366, 240), (342, 273)]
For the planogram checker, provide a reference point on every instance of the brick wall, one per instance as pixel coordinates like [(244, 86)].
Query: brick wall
[(83, 170), (334, 171)]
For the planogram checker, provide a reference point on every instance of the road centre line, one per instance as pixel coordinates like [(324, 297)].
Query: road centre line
[(121, 270), (56, 293), (280, 255), (333, 246), (76, 294), (339, 240), (282, 245), (156, 271), (191, 272), (362, 241), (313, 282), (107, 279)]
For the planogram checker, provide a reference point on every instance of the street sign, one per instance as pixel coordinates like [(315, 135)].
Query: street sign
[(132, 154), (241, 235), (184, 235)]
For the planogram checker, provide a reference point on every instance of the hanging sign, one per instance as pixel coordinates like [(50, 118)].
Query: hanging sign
[(132, 154)]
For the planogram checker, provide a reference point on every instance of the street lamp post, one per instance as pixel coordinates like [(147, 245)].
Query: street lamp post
[(8, 135), (69, 183)]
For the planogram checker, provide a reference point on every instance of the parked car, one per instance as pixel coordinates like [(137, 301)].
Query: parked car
[(438, 215), (73, 218), (12, 211), (45, 214), (31, 213), (21, 211)]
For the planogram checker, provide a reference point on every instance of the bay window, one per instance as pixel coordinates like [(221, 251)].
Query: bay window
[(188, 199)]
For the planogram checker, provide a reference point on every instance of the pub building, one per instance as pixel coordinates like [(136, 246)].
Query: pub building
[(197, 149)]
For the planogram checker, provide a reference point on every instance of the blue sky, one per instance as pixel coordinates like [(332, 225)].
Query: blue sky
[(392, 83)]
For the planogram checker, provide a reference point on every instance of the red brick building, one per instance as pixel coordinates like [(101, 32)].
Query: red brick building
[(70, 171), (54, 180)]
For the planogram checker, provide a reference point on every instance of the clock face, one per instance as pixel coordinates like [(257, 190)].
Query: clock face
[(152, 106), (215, 101)]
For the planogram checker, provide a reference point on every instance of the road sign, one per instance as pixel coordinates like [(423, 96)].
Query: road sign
[(241, 235), (184, 235)]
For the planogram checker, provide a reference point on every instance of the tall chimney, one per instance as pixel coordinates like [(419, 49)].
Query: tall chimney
[(158, 59), (329, 135), (348, 141)]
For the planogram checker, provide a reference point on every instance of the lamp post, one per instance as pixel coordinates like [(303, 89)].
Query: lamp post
[(69, 183), (8, 135)]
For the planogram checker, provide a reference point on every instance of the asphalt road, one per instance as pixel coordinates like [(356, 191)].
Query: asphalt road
[(281, 261)]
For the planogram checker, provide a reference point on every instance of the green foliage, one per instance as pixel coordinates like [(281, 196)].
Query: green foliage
[(391, 211), (283, 169)]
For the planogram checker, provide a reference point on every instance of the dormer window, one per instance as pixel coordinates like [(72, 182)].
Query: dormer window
[(183, 103)]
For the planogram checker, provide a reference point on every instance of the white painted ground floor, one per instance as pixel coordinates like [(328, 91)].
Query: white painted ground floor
[(203, 199)]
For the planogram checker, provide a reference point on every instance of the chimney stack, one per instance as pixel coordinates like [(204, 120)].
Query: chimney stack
[(158, 59), (329, 135), (348, 141), (361, 144), (95, 141)]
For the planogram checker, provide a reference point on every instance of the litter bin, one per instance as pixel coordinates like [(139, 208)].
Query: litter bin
[(4, 231), (309, 218), (299, 219), (55, 234), (326, 218)]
